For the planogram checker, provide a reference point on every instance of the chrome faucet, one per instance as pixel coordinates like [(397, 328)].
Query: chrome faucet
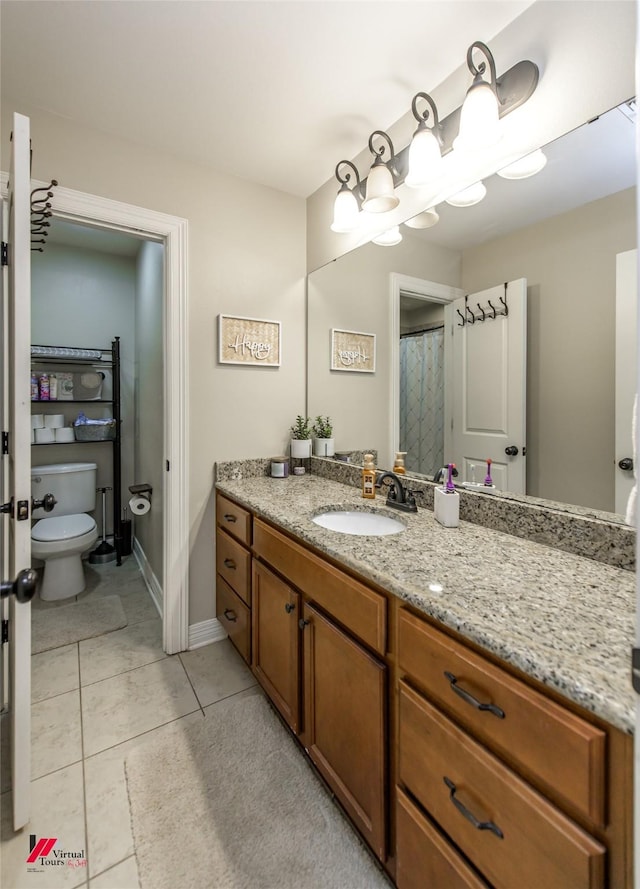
[(398, 497)]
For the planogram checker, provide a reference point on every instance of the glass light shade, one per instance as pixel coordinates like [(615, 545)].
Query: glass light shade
[(380, 196), (468, 196), (424, 158), (525, 167), (478, 119), (389, 238), (424, 220), (346, 212)]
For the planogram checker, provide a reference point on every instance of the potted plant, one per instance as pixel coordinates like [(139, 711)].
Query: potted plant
[(323, 445), (301, 438)]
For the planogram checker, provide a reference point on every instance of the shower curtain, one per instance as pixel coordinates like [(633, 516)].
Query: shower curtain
[(422, 399)]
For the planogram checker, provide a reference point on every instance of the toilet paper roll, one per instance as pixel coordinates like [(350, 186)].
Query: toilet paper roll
[(54, 421), (139, 505), (44, 436), (37, 421), (65, 434)]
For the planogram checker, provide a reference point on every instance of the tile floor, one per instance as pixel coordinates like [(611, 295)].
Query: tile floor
[(92, 701)]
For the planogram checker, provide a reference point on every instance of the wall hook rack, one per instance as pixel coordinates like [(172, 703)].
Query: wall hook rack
[(40, 213)]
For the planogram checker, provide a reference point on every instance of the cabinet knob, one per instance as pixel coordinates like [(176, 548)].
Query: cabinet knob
[(302, 623), (230, 615), (289, 607), (229, 518), (229, 563)]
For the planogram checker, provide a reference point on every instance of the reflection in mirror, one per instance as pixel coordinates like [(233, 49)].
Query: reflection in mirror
[(565, 231)]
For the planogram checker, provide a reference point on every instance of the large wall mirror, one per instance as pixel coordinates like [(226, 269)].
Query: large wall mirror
[(570, 231)]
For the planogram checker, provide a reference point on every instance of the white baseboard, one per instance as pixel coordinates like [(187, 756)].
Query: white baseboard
[(152, 582), (205, 632)]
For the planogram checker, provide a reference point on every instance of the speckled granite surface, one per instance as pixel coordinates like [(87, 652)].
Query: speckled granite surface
[(565, 620)]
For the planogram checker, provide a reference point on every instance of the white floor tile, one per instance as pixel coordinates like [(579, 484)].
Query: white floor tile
[(122, 876), (123, 706), (54, 672), (57, 812), (56, 739), (216, 671), (122, 650), (108, 816)]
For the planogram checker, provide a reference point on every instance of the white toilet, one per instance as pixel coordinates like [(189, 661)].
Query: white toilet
[(60, 537)]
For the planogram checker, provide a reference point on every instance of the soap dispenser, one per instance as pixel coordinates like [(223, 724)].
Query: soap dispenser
[(369, 478), (446, 502), (398, 465)]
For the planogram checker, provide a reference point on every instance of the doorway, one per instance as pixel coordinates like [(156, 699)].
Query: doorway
[(93, 211)]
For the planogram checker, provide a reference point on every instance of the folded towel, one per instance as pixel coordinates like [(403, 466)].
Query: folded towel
[(630, 517)]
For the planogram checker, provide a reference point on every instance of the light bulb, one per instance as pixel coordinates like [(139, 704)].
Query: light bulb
[(380, 196), (346, 213), (468, 196), (525, 166), (424, 220), (389, 238), (479, 118), (424, 158)]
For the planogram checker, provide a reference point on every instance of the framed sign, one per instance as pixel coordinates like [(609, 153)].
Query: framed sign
[(248, 341), (353, 351)]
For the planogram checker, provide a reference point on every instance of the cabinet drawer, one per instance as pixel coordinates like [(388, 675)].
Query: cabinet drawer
[(235, 617), (233, 562), (233, 518), (355, 606), (424, 858), (512, 834), (553, 747)]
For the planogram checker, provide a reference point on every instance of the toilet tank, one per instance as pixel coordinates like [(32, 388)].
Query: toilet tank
[(72, 484)]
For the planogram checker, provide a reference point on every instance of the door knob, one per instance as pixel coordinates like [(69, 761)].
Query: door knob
[(626, 463), (23, 587), (47, 503), (511, 451)]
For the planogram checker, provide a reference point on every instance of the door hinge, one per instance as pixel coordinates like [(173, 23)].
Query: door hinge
[(5, 444), (635, 669), (5, 631), (5, 253)]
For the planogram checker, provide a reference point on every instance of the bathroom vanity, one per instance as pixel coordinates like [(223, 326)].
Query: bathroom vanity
[(465, 694)]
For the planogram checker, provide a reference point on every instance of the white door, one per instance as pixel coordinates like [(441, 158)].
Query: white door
[(626, 358), (16, 372), (487, 401)]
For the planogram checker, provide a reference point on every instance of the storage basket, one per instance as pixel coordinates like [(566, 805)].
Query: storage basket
[(102, 432)]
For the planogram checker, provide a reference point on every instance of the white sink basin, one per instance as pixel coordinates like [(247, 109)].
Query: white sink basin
[(362, 523)]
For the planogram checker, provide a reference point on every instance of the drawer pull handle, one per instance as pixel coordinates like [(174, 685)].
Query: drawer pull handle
[(289, 607), (479, 825), (230, 518), (469, 698), (230, 615), (229, 563)]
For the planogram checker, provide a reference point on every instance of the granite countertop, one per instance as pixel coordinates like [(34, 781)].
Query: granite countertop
[(565, 620)]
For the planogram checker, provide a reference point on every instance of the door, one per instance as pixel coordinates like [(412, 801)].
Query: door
[(276, 641), (16, 373), (344, 728), (488, 396), (626, 357)]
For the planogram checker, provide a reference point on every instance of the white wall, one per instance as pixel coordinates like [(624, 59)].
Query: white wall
[(246, 256), (85, 298), (149, 457)]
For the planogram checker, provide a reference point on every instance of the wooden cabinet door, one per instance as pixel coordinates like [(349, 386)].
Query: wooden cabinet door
[(276, 641), (344, 729)]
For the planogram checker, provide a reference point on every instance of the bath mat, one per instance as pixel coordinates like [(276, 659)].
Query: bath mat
[(55, 627), (231, 803)]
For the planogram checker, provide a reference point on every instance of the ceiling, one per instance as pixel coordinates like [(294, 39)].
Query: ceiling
[(273, 92)]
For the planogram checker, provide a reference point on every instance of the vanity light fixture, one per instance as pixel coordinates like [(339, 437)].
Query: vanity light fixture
[(346, 209), (380, 195), (425, 149), (468, 196), (424, 220), (416, 164), (389, 238), (525, 166)]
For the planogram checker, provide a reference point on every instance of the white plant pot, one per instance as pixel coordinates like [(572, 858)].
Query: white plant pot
[(301, 448), (324, 447)]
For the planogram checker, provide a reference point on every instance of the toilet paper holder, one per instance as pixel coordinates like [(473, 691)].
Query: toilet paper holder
[(141, 491)]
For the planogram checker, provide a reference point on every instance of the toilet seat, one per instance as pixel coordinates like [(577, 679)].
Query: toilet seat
[(65, 527)]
